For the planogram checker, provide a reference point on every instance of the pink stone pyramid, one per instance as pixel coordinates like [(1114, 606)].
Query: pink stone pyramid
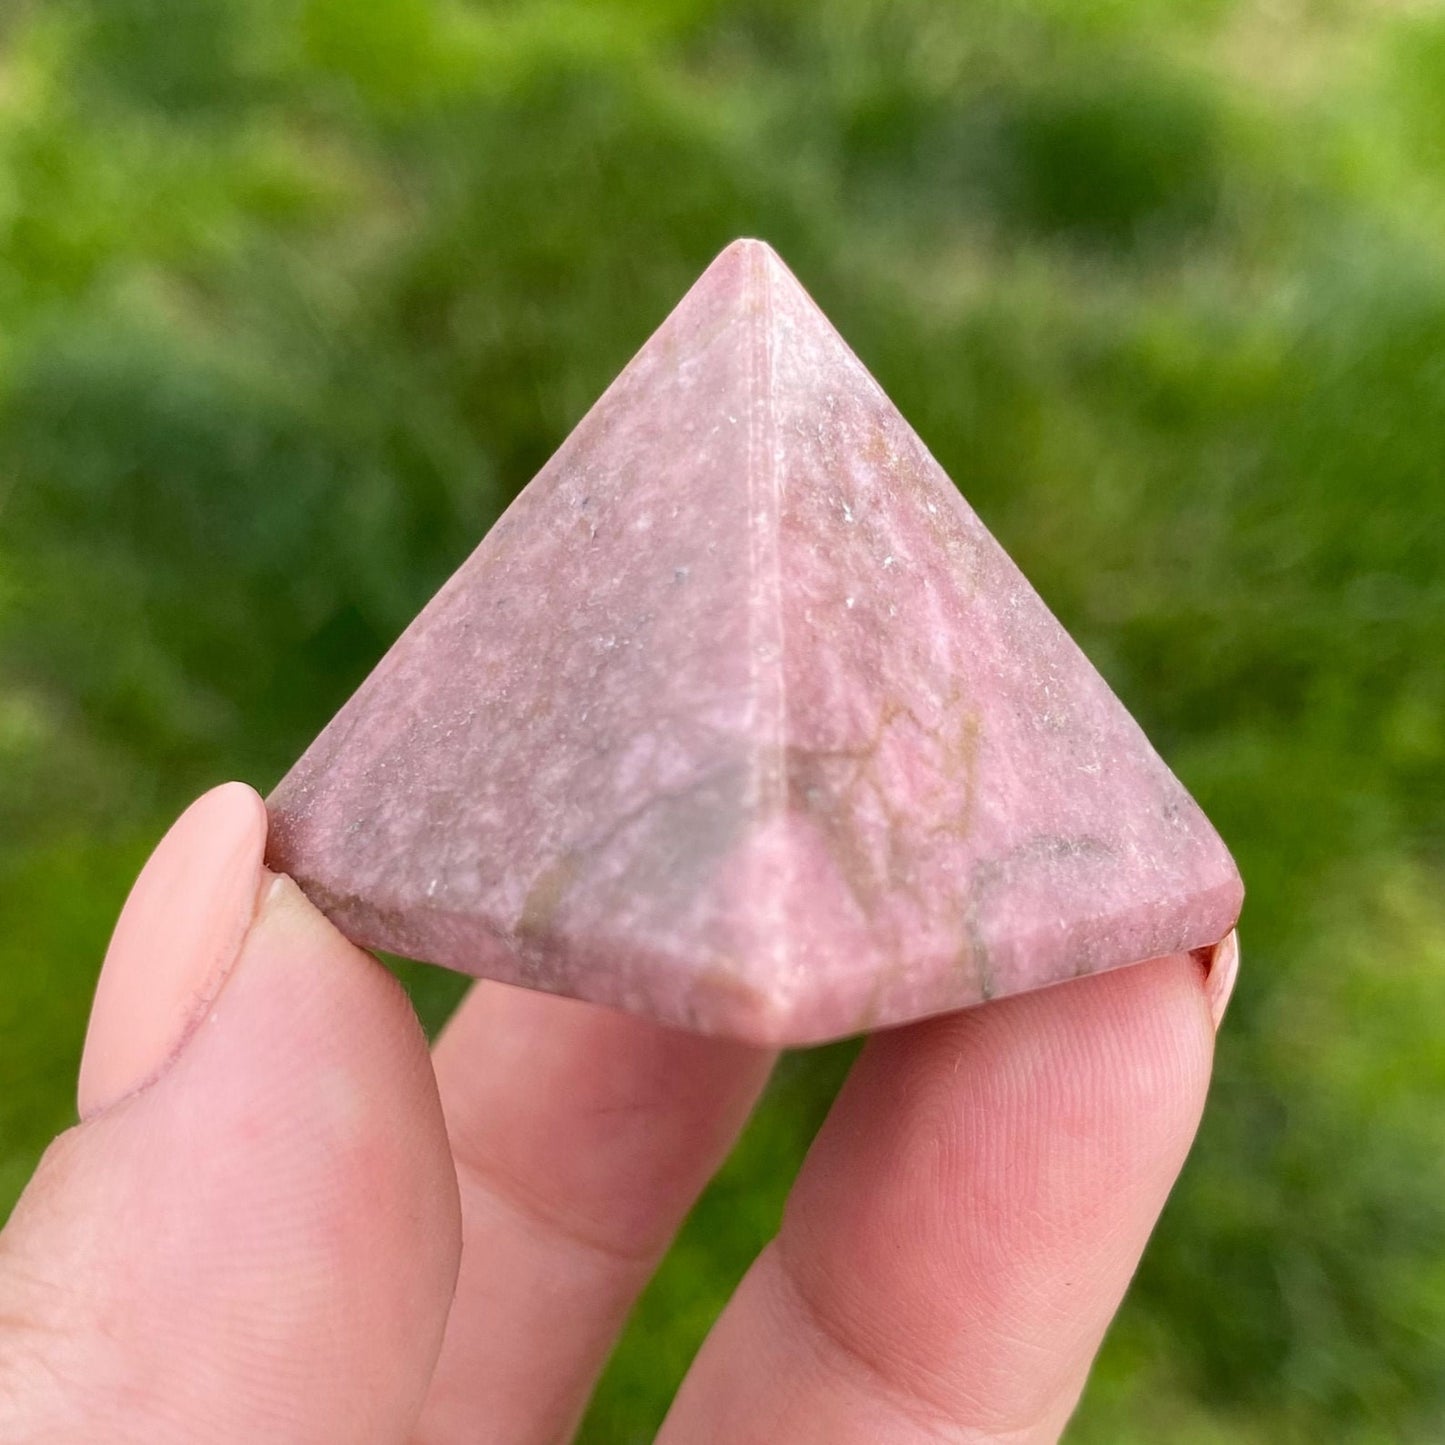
[(741, 719)]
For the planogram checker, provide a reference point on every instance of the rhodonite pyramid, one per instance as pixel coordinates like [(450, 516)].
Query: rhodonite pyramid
[(740, 718)]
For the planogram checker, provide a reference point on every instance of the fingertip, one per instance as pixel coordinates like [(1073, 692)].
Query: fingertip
[(1131, 1048), (177, 936), (1221, 973)]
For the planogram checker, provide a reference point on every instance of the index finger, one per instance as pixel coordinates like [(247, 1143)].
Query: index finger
[(966, 1223)]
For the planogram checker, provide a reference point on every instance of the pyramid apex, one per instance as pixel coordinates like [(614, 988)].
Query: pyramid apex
[(749, 248), (744, 264)]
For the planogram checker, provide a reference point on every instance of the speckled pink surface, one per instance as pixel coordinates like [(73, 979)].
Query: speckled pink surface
[(739, 718)]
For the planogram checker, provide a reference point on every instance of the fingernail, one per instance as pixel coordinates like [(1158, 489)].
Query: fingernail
[(1221, 971), (174, 943)]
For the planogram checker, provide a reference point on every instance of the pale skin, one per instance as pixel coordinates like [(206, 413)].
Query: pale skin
[(282, 1218)]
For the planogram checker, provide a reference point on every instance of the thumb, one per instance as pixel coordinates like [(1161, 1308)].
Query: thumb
[(253, 1233)]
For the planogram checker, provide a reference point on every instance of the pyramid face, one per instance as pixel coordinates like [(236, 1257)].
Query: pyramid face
[(739, 718)]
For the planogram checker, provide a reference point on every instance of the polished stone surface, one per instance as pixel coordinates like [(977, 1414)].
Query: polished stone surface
[(740, 718)]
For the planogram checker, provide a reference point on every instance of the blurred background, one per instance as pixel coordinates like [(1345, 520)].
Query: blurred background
[(295, 296)]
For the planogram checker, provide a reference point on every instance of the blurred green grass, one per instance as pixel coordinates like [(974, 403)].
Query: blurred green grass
[(296, 294)]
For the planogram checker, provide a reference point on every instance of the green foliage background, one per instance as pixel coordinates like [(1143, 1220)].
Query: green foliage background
[(295, 296)]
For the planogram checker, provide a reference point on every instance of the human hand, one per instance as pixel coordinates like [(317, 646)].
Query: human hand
[(280, 1220)]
